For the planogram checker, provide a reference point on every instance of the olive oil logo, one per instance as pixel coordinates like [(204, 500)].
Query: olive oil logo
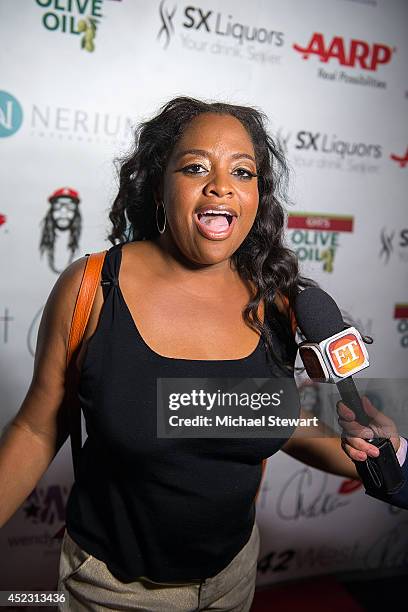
[(76, 17), (315, 236)]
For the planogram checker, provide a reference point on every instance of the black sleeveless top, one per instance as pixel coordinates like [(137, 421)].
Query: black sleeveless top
[(173, 510)]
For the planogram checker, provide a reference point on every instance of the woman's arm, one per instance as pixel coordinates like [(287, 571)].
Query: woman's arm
[(324, 453), (33, 437)]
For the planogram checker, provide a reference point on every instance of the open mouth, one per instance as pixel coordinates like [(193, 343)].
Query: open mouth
[(215, 224)]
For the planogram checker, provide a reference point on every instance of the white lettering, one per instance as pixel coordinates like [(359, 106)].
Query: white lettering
[(346, 354)]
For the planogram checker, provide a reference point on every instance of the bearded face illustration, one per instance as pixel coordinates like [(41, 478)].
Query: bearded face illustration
[(62, 216)]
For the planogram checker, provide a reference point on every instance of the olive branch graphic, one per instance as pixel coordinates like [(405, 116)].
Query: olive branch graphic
[(88, 26)]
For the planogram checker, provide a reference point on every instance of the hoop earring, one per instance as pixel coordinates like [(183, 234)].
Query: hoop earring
[(161, 231)]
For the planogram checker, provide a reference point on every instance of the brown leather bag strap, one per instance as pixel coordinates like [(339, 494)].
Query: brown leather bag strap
[(83, 306), (84, 301)]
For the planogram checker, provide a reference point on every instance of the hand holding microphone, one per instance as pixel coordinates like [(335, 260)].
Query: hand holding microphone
[(355, 442), (333, 352)]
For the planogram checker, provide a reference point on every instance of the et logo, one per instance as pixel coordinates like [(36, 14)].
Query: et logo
[(335, 358), (346, 355)]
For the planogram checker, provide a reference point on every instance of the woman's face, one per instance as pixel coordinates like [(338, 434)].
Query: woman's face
[(210, 189)]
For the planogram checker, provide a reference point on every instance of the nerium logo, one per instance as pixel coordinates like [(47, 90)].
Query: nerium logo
[(387, 244), (356, 53), (167, 29), (315, 141), (11, 114)]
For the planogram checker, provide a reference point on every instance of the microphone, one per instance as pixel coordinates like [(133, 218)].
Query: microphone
[(334, 352)]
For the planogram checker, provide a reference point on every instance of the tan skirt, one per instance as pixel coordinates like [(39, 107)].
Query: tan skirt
[(88, 585)]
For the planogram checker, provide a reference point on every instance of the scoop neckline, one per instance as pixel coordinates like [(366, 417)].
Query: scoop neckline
[(165, 357)]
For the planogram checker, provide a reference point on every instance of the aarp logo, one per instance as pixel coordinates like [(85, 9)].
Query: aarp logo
[(11, 114), (352, 53)]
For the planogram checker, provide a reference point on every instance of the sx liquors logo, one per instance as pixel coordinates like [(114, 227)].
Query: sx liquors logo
[(342, 54), (218, 33), (316, 237), (322, 150), (401, 315), (394, 242)]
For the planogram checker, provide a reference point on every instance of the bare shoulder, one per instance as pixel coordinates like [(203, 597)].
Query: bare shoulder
[(62, 298), (139, 249), (141, 255)]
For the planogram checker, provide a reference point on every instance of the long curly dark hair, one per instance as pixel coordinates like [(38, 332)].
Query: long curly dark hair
[(262, 259)]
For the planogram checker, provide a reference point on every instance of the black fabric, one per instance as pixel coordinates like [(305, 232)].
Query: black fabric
[(168, 509)]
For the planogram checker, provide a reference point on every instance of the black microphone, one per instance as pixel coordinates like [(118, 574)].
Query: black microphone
[(319, 318), (333, 352)]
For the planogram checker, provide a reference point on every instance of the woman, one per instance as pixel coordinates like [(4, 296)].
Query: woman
[(195, 287)]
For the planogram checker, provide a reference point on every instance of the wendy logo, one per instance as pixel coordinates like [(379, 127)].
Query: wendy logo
[(46, 505), (62, 217), (167, 27)]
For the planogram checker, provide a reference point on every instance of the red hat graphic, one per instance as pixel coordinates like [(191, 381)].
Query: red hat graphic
[(65, 192)]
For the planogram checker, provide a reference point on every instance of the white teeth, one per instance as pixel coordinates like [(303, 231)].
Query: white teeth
[(216, 212)]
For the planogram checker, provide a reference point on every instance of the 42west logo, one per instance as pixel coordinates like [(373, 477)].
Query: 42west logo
[(315, 237)]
